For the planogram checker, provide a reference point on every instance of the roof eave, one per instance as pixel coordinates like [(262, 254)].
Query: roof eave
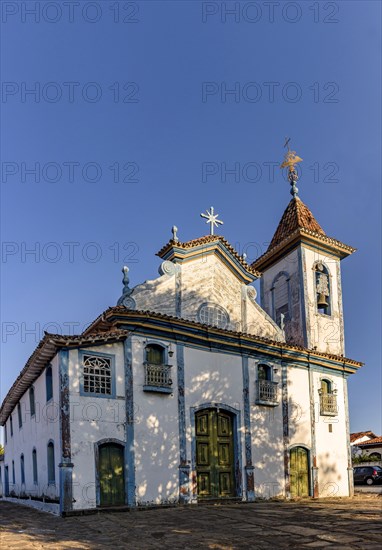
[(301, 235)]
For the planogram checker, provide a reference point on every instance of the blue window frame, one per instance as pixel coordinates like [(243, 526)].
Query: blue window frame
[(51, 464), (49, 383), (5, 433), (19, 415), (11, 425), (13, 473), (32, 402), (97, 377), (22, 469), (34, 465)]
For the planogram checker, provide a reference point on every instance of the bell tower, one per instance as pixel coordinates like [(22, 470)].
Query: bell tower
[(301, 276)]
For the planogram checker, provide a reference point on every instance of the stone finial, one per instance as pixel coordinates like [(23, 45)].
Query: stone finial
[(126, 299), (175, 234), (125, 280)]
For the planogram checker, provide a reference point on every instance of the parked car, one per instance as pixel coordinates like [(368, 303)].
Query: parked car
[(368, 475)]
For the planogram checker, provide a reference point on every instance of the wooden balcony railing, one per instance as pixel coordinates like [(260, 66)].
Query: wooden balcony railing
[(157, 378), (267, 393)]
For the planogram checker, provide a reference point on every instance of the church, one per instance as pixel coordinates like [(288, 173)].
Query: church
[(193, 388)]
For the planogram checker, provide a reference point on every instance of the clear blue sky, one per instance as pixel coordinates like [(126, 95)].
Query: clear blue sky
[(124, 88)]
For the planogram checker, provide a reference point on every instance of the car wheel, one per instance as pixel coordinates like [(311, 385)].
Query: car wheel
[(369, 481)]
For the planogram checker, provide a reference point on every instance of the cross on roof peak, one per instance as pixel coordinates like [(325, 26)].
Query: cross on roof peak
[(211, 218)]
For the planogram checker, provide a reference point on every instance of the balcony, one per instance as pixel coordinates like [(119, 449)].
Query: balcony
[(266, 393), (328, 404), (157, 378)]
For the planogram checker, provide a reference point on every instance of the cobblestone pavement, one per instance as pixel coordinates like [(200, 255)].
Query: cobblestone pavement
[(339, 524)]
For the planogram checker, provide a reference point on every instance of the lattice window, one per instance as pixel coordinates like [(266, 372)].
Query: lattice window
[(97, 375), (213, 314)]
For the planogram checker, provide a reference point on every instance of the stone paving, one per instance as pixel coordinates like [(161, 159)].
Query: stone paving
[(338, 523)]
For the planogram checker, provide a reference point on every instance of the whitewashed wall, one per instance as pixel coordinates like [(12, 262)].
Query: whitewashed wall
[(91, 420), (323, 331), (213, 378), (267, 437), (207, 279), (326, 331), (331, 447), (156, 433), (36, 432)]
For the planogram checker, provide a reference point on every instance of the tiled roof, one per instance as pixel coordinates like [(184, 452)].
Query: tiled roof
[(374, 441), (358, 435), (296, 216), (208, 239), (103, 329), (298, 223), (112, 311)]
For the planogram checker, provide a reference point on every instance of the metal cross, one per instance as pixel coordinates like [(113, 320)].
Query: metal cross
[(211, 218), (286, 144)]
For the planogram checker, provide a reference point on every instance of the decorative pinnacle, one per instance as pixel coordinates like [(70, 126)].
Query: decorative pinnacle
[(125, 280), (174, 231), (211, 218), (290, 160)]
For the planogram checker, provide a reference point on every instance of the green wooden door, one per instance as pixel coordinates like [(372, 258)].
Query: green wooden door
[(299, 472), (111, 475), (214, 454)]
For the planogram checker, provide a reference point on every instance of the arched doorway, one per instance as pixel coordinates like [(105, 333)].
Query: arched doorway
[(111, 465), (215, 462), (299, 472)]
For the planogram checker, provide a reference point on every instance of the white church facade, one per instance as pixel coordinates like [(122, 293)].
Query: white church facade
[(191, 389)]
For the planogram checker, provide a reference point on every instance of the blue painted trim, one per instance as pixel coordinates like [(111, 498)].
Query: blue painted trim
[(249, 473), (157, 389), (50, 481), (184, 489), (236, 440), (195, 337), (49, 383), (129, 448), (65, 465), (303, 297), (81, 354)]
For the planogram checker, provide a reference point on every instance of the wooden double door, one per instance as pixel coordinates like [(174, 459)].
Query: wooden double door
[(215, 467), (111, 475), (299, 472)]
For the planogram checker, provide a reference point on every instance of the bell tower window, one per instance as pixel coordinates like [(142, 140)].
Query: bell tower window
[(280, 299), (322, 284)]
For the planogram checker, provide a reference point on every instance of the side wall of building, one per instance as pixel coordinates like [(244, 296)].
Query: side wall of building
[(36, 432)]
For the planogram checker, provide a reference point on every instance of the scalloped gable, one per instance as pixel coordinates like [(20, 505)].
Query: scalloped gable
[(177, 251)]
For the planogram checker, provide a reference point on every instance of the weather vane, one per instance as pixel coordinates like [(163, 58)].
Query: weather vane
[(211, 218), (290, 161)]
